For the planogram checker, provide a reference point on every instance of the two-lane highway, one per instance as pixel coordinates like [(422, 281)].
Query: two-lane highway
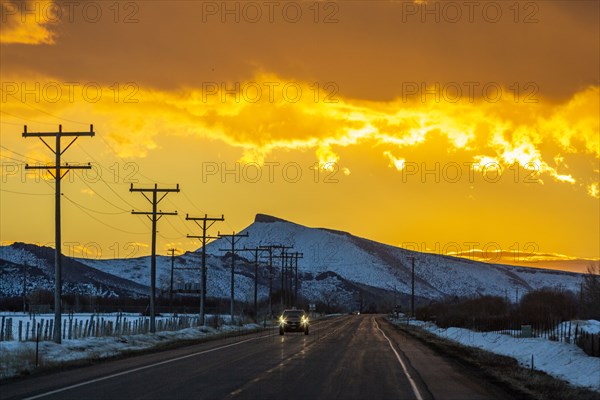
[(352, 357)]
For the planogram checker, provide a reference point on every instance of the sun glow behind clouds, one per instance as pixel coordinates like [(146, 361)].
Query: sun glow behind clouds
[(504, 132)]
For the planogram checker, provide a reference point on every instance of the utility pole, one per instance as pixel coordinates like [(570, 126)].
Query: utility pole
[(57, 175), (172, 251), (233, 238), (25, 287), (412, 291), (270, 250), (153, 216), (291, 279), (205, 240), (282, 255), (257, 251), (297, 255), (285, 279)]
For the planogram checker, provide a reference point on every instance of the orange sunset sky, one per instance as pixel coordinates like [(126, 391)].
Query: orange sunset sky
[(454, 127)]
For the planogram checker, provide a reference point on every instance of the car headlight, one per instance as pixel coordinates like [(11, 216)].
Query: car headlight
[(304, 320), (282, 321)]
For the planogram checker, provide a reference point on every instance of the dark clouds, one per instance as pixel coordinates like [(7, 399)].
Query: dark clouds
[(370, 52)]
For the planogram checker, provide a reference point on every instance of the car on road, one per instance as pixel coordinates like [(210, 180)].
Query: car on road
[(293, 321)]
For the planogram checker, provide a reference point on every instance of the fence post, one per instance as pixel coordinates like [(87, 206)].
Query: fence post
[(37, 345), (2, 329), (532, 362), (20, 330), (8, 330)]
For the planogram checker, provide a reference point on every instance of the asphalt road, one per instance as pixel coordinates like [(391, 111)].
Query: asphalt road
[(352, 357)]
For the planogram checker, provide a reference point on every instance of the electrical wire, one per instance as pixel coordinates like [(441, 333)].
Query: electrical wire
[(43, 111), (104, 181), (102, 222), (24, 119), (103, 198), (120, 158), (21, 155), (27, 193), (95, 211)]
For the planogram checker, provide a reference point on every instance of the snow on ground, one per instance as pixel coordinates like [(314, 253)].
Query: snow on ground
[(590, 326), (562, 360), (82, 318), (19, 357)]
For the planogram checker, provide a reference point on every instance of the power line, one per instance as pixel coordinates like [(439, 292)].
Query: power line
[(120, 158), (22, 155), (14, 159), (94, 211), (102, 197), (45, 112), (180, 218), (11, 123), (29, 194), (102, 222), (24, 119), (104, 181), (182, 235), (191, 202)]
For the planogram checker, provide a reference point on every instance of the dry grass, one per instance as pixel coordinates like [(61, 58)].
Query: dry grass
[(521, 383), (20, 362)]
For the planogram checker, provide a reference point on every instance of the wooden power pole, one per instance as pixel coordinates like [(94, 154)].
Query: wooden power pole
[(153, 216), (57, 173), (207, 222), (283, 256), (256, 251), (172, 251), (232, 239), (412, 290), (270, 250), (296, 255)]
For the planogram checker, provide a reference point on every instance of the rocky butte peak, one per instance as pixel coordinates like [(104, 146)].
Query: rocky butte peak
[(267, 218)]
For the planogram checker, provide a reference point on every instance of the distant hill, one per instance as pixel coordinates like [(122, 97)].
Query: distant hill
[(337, 267), (77, 277)]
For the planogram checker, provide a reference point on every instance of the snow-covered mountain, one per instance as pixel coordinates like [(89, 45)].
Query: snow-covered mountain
[(366, 262), (336, 267)]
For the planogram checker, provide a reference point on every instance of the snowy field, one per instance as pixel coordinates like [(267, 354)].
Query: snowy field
[(562, 360), (19, 357)]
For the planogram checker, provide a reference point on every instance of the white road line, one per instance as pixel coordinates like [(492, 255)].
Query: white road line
[(141, 368), (413, 385), (146, 367)]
